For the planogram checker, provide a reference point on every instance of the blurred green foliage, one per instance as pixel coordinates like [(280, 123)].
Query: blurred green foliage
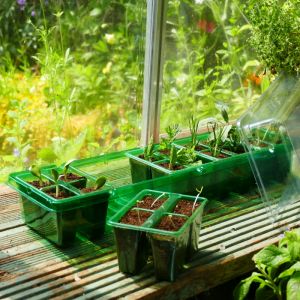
[(71, 73)]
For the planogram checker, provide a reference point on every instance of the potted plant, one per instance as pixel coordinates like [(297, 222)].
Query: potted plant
[(59, 210), (66, 175), (169, 248), (140, 159), (131, 242)]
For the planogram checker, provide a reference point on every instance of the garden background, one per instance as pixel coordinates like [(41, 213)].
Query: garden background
[(71, 74)]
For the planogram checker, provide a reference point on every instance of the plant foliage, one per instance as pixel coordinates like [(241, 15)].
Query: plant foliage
[(276, 32), (278, 275)]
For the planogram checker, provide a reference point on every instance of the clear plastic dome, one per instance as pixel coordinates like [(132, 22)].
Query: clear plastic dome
[(270, 130)]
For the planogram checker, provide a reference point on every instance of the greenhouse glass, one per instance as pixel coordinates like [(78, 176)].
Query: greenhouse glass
[(207, 61), (71, 79)]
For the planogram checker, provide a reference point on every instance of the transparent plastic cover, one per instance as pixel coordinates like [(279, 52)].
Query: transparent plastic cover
[(270, 130)]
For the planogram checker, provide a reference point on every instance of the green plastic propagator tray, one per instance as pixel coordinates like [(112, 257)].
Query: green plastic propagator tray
[(219, 179)]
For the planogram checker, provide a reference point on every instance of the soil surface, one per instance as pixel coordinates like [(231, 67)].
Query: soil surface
[(200, 148), (171, 223), (88, 190), (185, 207), (38, 184), (175, 168), (221, 155), (61, 195), (70, 177), (147, 202), (238, 150), (165, 151), (135, 217)]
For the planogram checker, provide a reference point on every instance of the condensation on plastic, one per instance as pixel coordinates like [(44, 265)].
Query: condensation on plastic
[(270, 130)]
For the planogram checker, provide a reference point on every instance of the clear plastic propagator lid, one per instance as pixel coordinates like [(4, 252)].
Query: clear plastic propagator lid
[(270, 130)]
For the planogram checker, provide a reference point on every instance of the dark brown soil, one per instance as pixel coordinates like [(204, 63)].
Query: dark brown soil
[(62, 194), (185, 207), (147, 202), (88, 190), (200, 148), (135, 217), (70, 177), (238, 150), (38, 184), (171, 223), (165, 151), (174, 168), (221, 155)]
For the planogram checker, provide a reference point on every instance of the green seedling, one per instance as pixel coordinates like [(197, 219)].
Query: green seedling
[(149, 150), (172, 131), (198, 195), (66, 167), (100, 182), (36, 171), (55, 176), (194, 126), (160, 196), (218, 132), (173, 158), (182, 156)]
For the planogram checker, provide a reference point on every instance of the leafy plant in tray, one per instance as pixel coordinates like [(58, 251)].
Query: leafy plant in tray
[(74, 179), (99, 183), (166, 143), (132, 244), (36, 172)]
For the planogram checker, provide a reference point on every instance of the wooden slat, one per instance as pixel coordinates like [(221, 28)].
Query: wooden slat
[(33, 268)]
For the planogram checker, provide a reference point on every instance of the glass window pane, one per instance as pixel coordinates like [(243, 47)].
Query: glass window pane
[(71, 79), (207, 60)]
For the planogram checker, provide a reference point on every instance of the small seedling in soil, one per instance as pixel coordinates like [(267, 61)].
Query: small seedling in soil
[(55, 176), (194, 126), (36, 172), (155, 201), (66, 176), (99, 183), (186, 207), (171, 223), (149, 202), (149, 151), (135, 217), (166, 143)]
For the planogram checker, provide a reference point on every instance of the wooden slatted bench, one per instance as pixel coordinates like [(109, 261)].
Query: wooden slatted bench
[(33, 268)]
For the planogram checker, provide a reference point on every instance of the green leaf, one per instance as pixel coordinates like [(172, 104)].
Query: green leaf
[(264, 292), (67, 165), (100, 182), (242, 289), (272, 256), (290, 271), (35, 171), (47, 154), (293, 287), (251, 63), (292, 241), (55, 175)]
